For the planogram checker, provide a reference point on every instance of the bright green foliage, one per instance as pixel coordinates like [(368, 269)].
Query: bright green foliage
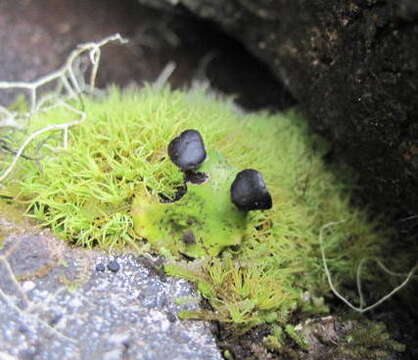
[(245, 295), (117, 166)]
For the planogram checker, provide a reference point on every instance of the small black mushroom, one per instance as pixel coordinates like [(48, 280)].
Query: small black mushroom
[(249, 192), (187, 150)]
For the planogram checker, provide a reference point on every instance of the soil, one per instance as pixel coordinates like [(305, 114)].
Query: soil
[(246, 346)]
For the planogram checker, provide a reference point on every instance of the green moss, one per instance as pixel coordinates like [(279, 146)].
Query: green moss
[(279, 339), (366, 340), (276, 341), (105, 191), (297, 337), (11, 212)]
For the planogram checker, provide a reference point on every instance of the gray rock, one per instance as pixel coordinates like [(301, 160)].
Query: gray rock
[(55, 305)]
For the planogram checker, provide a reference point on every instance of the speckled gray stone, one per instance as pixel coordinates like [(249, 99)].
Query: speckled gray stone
[(55, 305)]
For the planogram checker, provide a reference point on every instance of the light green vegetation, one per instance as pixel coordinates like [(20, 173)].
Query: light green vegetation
[(366, 340), (105, 190), (203, 222), (369, 340)]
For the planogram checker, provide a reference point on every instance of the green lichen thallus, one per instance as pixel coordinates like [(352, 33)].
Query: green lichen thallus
[(212, 214)]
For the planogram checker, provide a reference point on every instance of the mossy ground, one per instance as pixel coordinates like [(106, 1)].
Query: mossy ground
[(85, 194)]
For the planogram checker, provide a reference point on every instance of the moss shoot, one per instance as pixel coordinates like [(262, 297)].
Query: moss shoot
[(116, 167)]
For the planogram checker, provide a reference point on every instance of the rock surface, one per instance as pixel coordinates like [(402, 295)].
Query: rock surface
[(54, 304), (353, 66)]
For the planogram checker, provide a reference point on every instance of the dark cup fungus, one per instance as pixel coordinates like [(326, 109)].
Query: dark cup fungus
[(187, 150), (249, 192)]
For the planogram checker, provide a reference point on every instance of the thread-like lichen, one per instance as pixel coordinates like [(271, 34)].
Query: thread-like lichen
[(89, 195)]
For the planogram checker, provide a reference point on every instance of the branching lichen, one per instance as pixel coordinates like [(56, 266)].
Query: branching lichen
[(69, 82)]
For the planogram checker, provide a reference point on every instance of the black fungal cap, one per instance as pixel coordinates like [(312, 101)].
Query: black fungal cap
[(249, 192), (187, 150)]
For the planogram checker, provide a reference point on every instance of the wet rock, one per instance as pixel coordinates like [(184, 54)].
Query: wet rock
[(249, 192), (75, 312), (187, 150)]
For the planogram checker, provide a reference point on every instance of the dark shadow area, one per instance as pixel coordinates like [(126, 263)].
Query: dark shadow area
[(36, 38)]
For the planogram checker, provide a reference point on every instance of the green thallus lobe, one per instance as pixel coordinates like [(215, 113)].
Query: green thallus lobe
[(254, 267), (205, 220)]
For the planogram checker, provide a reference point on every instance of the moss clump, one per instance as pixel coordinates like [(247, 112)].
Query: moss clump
[(330, 338), (366, 340), (297, 337), (89, 194)]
